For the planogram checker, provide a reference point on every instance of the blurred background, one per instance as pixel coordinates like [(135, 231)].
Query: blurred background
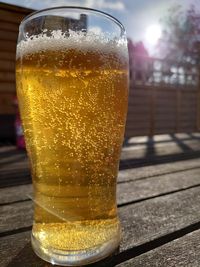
[(164, 51)]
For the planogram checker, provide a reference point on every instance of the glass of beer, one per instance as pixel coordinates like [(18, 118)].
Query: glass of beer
[(72, 87)]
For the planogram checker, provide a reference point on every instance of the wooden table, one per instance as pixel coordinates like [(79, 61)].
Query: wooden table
[(158, 203)]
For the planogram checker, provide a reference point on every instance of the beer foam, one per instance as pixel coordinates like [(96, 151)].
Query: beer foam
[(77, 40)]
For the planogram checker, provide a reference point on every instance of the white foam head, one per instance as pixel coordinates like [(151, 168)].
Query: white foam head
[(78, 40)]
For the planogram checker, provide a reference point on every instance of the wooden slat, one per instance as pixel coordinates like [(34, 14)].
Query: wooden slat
[(138, 118), (8, 87), (13, 194), (128, 192), (8, 26), (10, 246), (8, 35), (145, 188), (159, 216), (141, 222), (161, 125), (174, 148), (183, 252), (10, 16), (17, 9), (192, 110), (7, 76), (16, 216), (7, 65), (152, 170), (6, 102), (171, 171), (165, 114), (8, 46), (7, 56), (139, 124)]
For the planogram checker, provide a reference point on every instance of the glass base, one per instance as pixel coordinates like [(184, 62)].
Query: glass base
[(75, 257)]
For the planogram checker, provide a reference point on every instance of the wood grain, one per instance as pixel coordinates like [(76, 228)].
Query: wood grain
[(184, 251), (19, 215), (141, 222), (10, 16), (168, 177)]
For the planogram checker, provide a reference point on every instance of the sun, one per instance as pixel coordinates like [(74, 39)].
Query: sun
[(152, 34)]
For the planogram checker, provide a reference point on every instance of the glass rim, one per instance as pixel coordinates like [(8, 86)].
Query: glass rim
[(102, 13)]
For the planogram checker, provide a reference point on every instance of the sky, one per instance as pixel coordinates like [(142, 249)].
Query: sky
[(136, 15)]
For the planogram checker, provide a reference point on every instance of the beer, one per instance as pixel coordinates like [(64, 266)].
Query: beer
[(73, 103)]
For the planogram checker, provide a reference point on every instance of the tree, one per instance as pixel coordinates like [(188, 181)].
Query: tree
[(180, 39)]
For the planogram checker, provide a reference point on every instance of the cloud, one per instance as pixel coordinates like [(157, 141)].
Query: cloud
[(104, 4), (115, 5)]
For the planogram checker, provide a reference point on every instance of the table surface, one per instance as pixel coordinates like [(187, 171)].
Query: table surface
[(158, 203)]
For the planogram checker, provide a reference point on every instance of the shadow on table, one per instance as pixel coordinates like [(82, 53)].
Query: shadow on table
[(27, 258), (148, 150)]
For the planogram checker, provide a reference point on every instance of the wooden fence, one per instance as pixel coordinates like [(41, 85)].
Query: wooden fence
[(164, 97)]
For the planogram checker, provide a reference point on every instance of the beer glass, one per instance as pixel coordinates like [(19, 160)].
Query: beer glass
[(72, 86)]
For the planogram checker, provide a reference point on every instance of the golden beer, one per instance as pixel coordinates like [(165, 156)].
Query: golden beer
[(73, 104)]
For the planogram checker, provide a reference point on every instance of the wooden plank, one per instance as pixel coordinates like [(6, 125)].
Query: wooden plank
[(8, 35), (184, 251), (189, 99), (14, 163), (8, 87), (166, 173), (135, 98), (165, 114), (7, 65), (188, 116), (138, 125), (138, 118), (146, 188), (188, 122), (165, 123), (7, 76), (6, 103), (150, 219), (165, 130), (192, 110), (14, 194), (127, 192), (10, 56), (186, 107), (8, 46), (10, 247), (169, 102), (11, 16), (153, 170), (169, 126), (159, 154), (8, 26), (16, 9), (16, 216), (141, 223), (136, 133)]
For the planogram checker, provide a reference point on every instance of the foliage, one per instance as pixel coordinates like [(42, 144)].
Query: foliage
[(180, 39)]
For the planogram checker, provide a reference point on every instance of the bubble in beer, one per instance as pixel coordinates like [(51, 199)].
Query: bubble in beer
[(73, 94)]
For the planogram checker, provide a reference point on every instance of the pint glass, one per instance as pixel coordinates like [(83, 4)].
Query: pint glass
[(72, 86)]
